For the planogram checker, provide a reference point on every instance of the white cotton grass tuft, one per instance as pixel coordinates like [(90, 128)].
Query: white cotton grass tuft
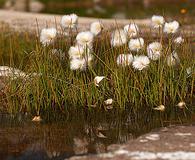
[(77, 52), (118, 38), (48, 35), (179, 40), (154, 50), (96, 27), (85, 39), (78, 64), (69, 21), (171, 27), (131, 30), (173, 59), (80, 57), (124, 59), (136, 44), (98, 79), (158, 21), (140, 62)]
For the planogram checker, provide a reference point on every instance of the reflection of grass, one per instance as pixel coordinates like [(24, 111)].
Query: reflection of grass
[(132, 11), (59, 88), (2, 3)]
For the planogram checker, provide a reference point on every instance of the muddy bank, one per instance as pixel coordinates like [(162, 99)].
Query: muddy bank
[(175, 142)]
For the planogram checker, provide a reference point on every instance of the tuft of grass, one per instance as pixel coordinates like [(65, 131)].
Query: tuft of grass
[(56, 88)]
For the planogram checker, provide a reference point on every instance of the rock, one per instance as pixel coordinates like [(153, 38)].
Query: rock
[(175, 142), (80, 145)]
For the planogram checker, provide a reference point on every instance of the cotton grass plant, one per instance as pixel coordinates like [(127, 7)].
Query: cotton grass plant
[(118, 67)]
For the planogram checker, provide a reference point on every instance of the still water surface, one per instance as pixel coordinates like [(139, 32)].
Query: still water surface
[(124, 9), (77, 133)]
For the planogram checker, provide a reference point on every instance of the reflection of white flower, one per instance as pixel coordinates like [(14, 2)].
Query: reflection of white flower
[(47, 36), (118, 38), (181, 104), (124, 59), (96, 28), (140, 62), (98, 79), (85, 38), (136, 44), (158, 21), (160, 108), (154, 50), (171, 27), (69, 21), (173, 59), (131, 30), (37, 119), (108, 101), (178, 40)]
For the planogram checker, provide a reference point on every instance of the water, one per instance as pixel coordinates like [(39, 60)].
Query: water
[(80, 132), (60, 136), (124, 9)]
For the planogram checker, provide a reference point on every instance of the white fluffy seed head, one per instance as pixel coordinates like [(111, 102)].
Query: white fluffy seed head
[(173, 59), (171, 27), (154, 50), (124, 59), (157, 21), (76, 64), (69, 21), (47, 36), (76, 52), (131, 30), (140, 62), (179, 40), (96, 28), (136, 44), (118, 38), (85, 38)]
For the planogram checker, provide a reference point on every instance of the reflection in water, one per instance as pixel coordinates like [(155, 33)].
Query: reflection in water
[(75, 133), (106, 8)]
